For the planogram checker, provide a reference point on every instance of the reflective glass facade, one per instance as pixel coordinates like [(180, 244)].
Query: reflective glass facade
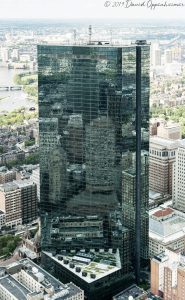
[(94, 110)]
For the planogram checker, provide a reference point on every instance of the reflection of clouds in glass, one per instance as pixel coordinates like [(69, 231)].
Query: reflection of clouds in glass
[(127, 130), (101, 65), (65, 65)]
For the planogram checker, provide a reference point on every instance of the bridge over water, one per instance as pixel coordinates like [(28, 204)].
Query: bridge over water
[(11, 88)]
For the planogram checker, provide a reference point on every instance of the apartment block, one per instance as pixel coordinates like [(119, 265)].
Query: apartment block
[(18, 200), (10, 203), (35, 177), (29, 203), (168, 275), (6, 175)]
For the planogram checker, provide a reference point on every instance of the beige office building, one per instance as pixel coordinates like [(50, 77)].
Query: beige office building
[(162, 157), (169, 130)]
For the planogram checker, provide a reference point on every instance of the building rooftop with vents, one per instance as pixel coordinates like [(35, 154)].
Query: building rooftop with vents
[(13, 287), (132, 293), (165, 223), (166, 229), (24, 280), (89, 267)]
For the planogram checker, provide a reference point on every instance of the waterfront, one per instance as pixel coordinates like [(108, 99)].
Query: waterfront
[(11, 100)]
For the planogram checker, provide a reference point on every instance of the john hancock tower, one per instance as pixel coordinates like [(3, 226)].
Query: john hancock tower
[(93, 115)]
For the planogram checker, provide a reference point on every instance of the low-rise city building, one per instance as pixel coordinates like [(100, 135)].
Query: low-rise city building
[(12, 155), (169, 130), (24, 280), (156, 199), (166, 229), (131, 293), (168, 275)]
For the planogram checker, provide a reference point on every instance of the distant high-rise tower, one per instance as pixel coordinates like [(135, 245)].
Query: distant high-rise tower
[(94, 113)]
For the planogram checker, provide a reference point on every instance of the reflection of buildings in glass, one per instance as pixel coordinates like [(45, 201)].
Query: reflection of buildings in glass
[(92, 94), (83, 85), (48, 140), (126, 160), (57, 111), (57, 175), (100, 155), (74, 139), (129, 199)]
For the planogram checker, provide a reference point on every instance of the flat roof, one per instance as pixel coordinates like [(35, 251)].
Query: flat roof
[(163, 205), (8, 187), (167, 230), (133, 291), (162, 142), (30, 254), (98, 44), (182, 144), (169, 239), (99, 269), (62, 291), (34, 268), (14, 287), (163, 212), (154, 195), (23, 183), (4, 171)]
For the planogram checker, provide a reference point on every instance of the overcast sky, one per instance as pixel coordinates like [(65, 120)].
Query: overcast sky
[(65, 9)]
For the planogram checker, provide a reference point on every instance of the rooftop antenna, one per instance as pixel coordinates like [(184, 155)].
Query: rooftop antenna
[(74, 35), (111, 36), (90, 33)]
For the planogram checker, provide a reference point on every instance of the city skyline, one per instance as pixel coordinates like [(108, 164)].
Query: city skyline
[(73, 173)]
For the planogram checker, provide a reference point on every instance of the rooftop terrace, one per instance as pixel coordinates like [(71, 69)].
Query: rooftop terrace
[(91, 267)]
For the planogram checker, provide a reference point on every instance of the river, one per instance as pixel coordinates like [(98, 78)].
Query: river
[(11, 100)]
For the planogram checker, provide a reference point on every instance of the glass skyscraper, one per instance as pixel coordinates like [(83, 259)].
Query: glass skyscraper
[(93, 115)]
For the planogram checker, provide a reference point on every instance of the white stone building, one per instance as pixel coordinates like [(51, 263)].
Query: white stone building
[(24, 280), (166, 229), (178, 188)]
